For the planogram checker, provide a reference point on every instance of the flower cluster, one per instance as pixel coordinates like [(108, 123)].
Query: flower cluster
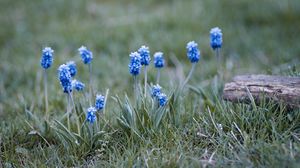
[(162, 99), (65, 78), (155, 90), (91, 115), (159, 61), (142, 57), (86, 55), (193, 52), (91, 111), (72, 68), (135, 63), (79, 86), (145, 55), (47, 57), (216, 38), (99, 104), (158, 95)]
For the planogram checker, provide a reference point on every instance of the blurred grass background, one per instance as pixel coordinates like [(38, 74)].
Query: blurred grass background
[(260, 36)]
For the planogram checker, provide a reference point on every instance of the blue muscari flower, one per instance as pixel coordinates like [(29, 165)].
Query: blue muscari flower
[(159, 61), (216, 38), (155, 91), (192, 51), (86, 55), (79, 86), (47, 57), (99, 104), (91, 115), (65, 78), (72, 68), (135, 63), (162, 99), (145, 55)]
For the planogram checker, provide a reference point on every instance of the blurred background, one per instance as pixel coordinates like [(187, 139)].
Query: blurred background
[(259, 36)]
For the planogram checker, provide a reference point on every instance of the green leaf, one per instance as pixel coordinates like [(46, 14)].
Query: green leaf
[(159, 115)]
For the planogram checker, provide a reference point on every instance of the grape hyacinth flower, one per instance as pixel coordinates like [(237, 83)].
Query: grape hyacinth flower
[(72, 68), (46, 62), (91, 115), (159, 62), (65, 78), (100, 102), (145, 60), (215, 38), (193, 54), (156, 90), (216, 42), (135, 63), (79, 86), (162, 99), (134, 69), (47, 58), (145, 55), (87, 57)]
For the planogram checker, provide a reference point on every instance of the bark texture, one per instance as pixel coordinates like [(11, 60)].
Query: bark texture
[(280, 89)]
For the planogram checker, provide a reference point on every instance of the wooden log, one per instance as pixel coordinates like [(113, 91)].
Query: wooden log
[(281, 89)]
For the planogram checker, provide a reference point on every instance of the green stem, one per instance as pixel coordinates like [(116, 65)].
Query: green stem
[(72, 100), (78, 126), (105, 100), (46, 91), (73, 103), (189, 75), (220, 70), (219, 64), (135, 87), (68, 111), (145, 70), (90, 87), (158, 76), (98, 121)]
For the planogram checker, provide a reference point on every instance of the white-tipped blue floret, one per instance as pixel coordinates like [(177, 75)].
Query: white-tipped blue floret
[(91, 115), (162, 99), (155, 90), (79, 86), (86, 55), (192, 51), (47, 58), (100, 101), (145, 55), (159, 61), (216, 38), (135, 63), (65, 78), (72, 68)]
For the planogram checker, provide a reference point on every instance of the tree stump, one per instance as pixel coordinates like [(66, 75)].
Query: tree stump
[(280, 89)]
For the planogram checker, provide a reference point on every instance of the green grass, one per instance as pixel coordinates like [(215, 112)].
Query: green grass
[(260, 36)]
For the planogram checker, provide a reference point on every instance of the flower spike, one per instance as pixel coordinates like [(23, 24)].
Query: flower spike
[(193, 52), (47, 58), (86, 55), (91, 115), (216, 38), (100, 101), (64, 77)]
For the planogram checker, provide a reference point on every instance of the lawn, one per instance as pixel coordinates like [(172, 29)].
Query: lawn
[(196, 128)]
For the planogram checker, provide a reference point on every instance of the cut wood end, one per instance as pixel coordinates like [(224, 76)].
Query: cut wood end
[(280, 89)]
